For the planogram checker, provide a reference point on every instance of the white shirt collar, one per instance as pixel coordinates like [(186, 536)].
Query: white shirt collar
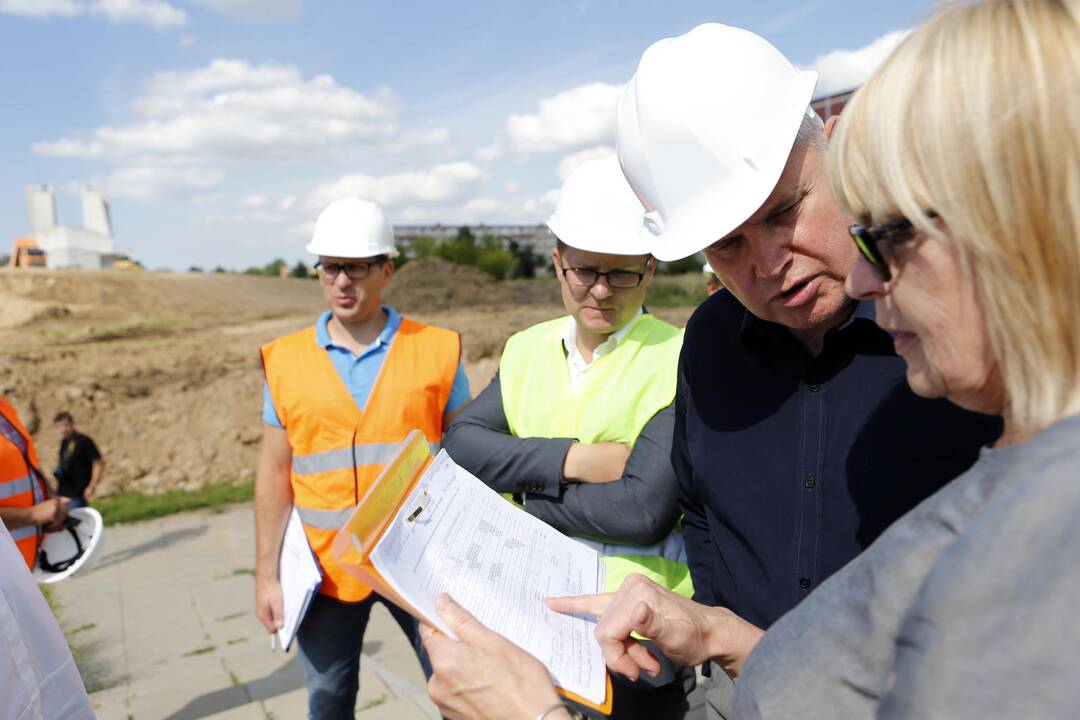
[(574, 359)]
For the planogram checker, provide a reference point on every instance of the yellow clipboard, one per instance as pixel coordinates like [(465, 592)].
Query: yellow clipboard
[(360, 534)]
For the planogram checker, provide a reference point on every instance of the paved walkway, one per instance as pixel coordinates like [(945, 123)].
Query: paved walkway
[(163, 628)]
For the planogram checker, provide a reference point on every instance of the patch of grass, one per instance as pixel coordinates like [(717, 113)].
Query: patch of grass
[(374, 702), (82, 628), (236, 641), (669, 291), (231, 616), (131, 506), (243, 571), (200, 651)]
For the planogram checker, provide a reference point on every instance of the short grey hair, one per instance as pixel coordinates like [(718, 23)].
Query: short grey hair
[(811, 131)]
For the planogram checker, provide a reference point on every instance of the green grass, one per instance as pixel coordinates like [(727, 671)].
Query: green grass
[(668, 291), (131, 506), (200, 651)]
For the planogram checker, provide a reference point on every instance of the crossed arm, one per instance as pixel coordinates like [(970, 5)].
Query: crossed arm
[(592, 490)]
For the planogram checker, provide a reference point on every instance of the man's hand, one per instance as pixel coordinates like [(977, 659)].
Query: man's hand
[(686, 632), (482, 675), (50, 514), (268, 603), (595, 462)]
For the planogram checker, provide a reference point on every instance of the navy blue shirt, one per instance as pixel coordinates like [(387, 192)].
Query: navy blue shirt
[(790, 465)]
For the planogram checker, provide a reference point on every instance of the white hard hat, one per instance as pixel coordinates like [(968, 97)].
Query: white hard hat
[(704, 129), (352, 228), (598, 212), (75, 549)]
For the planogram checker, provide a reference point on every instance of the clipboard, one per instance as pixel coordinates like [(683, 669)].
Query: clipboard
[(352, 546)]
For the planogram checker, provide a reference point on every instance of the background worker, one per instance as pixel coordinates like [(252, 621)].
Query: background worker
[(579, 419), (80, 466), (339, 397), (25, 507)]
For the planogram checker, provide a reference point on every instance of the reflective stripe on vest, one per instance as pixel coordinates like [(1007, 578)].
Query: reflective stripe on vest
[(345, 458), (16, 486), (612, 402), (24, 533), (326, 429)]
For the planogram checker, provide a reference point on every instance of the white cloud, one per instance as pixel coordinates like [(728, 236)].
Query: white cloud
[(487, 153), (841, 70), (255, 9), (570, 163), (233, 112), (142, 181), (187, 40), (584, 115), (253, 201), (416, 140), (233, 109), (287, 203), (441, 185), (41, 8), (541, 206), (154, 13), (511, 187)]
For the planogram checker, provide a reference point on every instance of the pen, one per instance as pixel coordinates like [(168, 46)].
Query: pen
[(273, 642)]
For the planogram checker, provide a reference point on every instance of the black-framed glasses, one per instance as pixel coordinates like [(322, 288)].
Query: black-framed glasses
[(869, 239), (354, 270), (616, 279)]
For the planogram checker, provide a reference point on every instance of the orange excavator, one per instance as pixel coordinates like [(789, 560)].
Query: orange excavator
[(26, 253)]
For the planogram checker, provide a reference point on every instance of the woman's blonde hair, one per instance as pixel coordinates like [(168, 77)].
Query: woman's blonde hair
[(976, 115)]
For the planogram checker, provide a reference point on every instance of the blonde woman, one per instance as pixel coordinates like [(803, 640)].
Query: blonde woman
[(961, 158)]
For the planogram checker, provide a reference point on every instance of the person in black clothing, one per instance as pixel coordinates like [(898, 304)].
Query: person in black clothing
[(81, 464)]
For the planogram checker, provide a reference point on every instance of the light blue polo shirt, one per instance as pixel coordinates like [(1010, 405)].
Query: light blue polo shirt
[(359, 372)]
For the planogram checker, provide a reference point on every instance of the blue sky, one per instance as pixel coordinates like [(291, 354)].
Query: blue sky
[(218, 128)]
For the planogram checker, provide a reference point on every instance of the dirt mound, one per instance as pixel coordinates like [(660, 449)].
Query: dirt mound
[(433, 284), (163, 370)]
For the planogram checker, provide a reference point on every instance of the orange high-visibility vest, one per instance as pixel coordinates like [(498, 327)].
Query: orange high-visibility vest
[(338, 450), (21, 483)]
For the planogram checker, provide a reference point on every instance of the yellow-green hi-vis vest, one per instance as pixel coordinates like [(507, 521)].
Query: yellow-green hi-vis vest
[(611, 402)]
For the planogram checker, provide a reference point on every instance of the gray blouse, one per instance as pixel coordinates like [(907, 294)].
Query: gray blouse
[(965, 608)]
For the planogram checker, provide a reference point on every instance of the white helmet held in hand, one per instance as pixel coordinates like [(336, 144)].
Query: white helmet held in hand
[(352, 228), (75, 549), (703, 131), (598, 212)]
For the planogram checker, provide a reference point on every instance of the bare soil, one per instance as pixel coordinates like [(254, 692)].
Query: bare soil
[(163, 371)]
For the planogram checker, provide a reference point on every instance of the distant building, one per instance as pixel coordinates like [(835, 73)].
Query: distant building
[(831, 105), (88, 247)]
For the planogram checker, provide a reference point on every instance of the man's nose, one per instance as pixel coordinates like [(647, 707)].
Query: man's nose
[(864, 281), (771, 254), (600, 289)]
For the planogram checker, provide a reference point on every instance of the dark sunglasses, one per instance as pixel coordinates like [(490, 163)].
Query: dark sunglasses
[(868, 240)]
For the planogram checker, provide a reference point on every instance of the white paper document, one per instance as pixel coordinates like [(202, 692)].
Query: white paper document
[(300, 578), (499, 563)]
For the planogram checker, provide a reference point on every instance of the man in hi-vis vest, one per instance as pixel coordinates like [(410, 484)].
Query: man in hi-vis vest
[(339, 397), (26, 509), (578, 422)]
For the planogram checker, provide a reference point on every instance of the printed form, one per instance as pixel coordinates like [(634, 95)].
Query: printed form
[(499, 563)]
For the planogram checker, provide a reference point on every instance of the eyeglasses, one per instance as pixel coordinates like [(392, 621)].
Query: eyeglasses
[(616, 279), (868, 240), (354, 270)]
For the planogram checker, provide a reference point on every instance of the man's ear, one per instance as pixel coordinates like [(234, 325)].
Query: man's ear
[(829, 125)]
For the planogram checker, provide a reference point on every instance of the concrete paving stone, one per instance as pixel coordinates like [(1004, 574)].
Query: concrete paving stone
[(188, 701), (392, 709), (219, 597), (286, 706), (372, 686), (426, 707), (196, 669), (251, 711), (167, 645), (260, 665)]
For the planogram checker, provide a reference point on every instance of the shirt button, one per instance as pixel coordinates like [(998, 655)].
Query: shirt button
[(804, 582), (809, 482), (814, 387)]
